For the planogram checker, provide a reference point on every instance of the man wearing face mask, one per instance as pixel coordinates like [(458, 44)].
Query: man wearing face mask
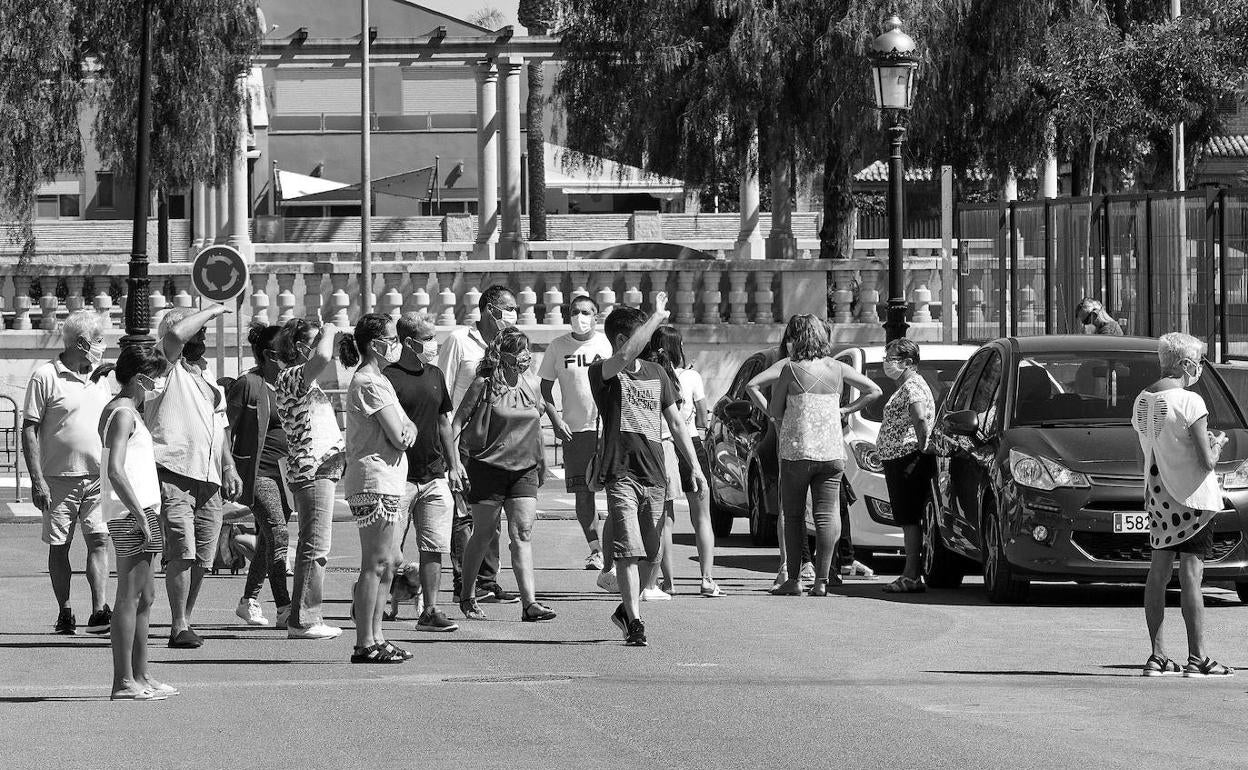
[(566, 362), (458, 359), (187, 420), (60, 430), (428, 501), (1091, 312)]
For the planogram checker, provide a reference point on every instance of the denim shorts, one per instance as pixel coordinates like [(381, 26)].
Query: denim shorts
[(430, 508), (636, 515)]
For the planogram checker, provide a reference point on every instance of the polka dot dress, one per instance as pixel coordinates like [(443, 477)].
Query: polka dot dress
[(1169, 521)]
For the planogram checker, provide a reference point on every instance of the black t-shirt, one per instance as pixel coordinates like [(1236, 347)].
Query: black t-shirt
[(275, 444), (423, 396), (631, 406)]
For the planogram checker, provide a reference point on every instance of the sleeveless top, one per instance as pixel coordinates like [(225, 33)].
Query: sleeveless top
[(140, 470), (811, 429), (514, 432)]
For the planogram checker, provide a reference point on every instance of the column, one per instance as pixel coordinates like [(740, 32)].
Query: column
[(750, 239), (211, 223), (223, 211), (240, 231), (780, 241), (199, 212), (487, 160), (511, 241)]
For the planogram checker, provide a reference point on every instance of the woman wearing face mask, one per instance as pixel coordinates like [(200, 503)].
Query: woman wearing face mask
[(259, 446), (378, 435), (904, 448), (315, 457), (498, 431), (129, 499), (1182, 497)]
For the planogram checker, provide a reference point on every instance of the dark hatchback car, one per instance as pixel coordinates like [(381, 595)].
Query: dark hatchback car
[(1042, 475)]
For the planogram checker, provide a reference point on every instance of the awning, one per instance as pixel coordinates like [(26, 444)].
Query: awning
[(297, 188), (564, 174), (291, 185)]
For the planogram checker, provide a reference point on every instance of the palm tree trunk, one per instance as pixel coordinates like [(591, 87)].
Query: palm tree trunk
[(840, 214), (536, 125)]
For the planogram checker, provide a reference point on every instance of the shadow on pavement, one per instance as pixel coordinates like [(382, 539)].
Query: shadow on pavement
[(456, 639), (1075, 674), (41, 645), (1041, 595), (244, 662), (52, 698)]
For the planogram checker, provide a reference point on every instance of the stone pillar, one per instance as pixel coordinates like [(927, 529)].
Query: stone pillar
[(780, 241), (199, 214), (223, 212), (750, 239), (487, 160), (1049, 161), (239, 235), (211, 223), (511, 240)]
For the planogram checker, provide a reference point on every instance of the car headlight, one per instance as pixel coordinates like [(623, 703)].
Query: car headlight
[(1043, 473), (1236, 479), (867, 456)]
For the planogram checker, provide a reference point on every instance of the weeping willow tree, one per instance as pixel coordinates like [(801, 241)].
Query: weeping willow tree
[(60, 59), (683, 87)]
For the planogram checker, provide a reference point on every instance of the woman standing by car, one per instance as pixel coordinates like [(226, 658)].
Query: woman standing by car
[(1182, 497), (499, 434), (903, 447), (805, 404)]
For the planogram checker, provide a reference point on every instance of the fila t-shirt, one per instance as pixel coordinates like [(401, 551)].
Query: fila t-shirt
[(632, 405), (566, 362)]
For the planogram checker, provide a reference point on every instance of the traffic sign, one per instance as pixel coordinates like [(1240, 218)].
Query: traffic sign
[(219, 273)]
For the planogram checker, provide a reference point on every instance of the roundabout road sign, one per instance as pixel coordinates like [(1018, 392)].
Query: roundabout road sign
[(219, 273)]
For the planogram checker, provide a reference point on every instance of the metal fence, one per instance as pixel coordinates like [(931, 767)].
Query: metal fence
[(1160, 262)]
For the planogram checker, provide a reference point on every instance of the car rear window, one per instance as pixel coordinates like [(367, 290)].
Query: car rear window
[(1088, 389), (939, 375)]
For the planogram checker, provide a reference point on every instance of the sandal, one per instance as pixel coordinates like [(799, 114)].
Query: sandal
[(1159, 666), (471, 610), (905, 585), (402, 653), (787, 588), (539, 612), (820, 588), (1196, 668), (377, 653)]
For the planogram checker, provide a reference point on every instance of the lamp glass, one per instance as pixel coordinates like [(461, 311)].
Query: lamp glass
[(894, 86)]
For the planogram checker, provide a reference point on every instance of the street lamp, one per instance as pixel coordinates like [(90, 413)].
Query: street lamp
[(138, 308), (893, 63)]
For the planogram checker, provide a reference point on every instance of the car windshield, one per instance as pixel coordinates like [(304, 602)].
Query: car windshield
[(1100, 389), (939, 375)]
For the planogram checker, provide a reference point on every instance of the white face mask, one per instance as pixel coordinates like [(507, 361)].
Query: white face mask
[(93, 352), (429, 351), (1191, 373), (893, 370), (393, 351), (582, 324)]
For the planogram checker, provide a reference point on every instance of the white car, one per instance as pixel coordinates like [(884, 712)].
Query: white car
[(871, 515)]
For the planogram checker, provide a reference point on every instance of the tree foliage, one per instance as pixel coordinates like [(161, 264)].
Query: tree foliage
[(60, 58)]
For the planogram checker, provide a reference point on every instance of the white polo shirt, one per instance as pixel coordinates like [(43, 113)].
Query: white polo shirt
[(67, 406)]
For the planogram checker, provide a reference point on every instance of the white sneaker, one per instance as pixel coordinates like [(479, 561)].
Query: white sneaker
[(283, 617), (594, 560), (317, 631), (249, 611), (808, 572), (607, 581), (655, 595)]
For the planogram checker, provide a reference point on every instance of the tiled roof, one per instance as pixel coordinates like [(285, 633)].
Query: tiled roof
[(1233, 146)]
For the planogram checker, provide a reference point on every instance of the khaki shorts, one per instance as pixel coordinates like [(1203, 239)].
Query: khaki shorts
[(72, 499), (576, 454), (430, 508), (190, 516), (636, 514)]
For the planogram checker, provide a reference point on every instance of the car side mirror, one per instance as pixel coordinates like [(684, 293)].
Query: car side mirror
[(740, 411), (963, 423)]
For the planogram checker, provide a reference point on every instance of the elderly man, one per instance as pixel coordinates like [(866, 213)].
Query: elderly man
[(1092, 313), (187, 419), (60, 429)]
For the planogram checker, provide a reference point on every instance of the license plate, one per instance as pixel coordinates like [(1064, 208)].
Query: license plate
[(1130, 521)]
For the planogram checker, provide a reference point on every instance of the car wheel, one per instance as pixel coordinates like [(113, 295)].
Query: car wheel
[(1004, 587), (1241, 588), (942, 568), (762, 523)]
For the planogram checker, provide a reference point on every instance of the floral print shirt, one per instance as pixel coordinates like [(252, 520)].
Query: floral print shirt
[(897, 434)]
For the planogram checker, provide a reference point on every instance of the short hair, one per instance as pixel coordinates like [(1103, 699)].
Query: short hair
[(490, 296), (624, 320), (414, 324), (1089, 303), (584, 298), (171, 317), (1176, 347), (139, 359), (903, 347), (808, 338), (82, 324)]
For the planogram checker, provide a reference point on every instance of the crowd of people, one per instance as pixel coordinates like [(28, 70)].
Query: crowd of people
[(446, 441)]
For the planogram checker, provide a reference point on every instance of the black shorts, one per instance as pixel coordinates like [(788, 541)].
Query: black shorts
[(909, 481), (1199, 544), (491, 484), (686, 472)]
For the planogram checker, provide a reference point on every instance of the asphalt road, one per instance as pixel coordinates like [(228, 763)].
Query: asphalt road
[(858, 680)]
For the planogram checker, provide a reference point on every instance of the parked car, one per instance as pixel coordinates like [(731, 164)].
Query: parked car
[(744, 469), (1041, 474)]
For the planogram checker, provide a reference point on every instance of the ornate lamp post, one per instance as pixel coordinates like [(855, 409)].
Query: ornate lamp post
[(893, 64), (138, 312)]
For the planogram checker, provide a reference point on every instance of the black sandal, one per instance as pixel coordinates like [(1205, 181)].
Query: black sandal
[(1159, 666), (402, 653), (1197, 668), (377, 653), (542, 613)]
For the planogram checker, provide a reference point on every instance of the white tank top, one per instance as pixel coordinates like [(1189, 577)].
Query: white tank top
[(140, 470)]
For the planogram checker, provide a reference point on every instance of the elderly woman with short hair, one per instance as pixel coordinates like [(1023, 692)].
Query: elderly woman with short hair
[(1182, 497)]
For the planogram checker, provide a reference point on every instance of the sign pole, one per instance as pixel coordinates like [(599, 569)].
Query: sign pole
[(238, 337), (220, 347)]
